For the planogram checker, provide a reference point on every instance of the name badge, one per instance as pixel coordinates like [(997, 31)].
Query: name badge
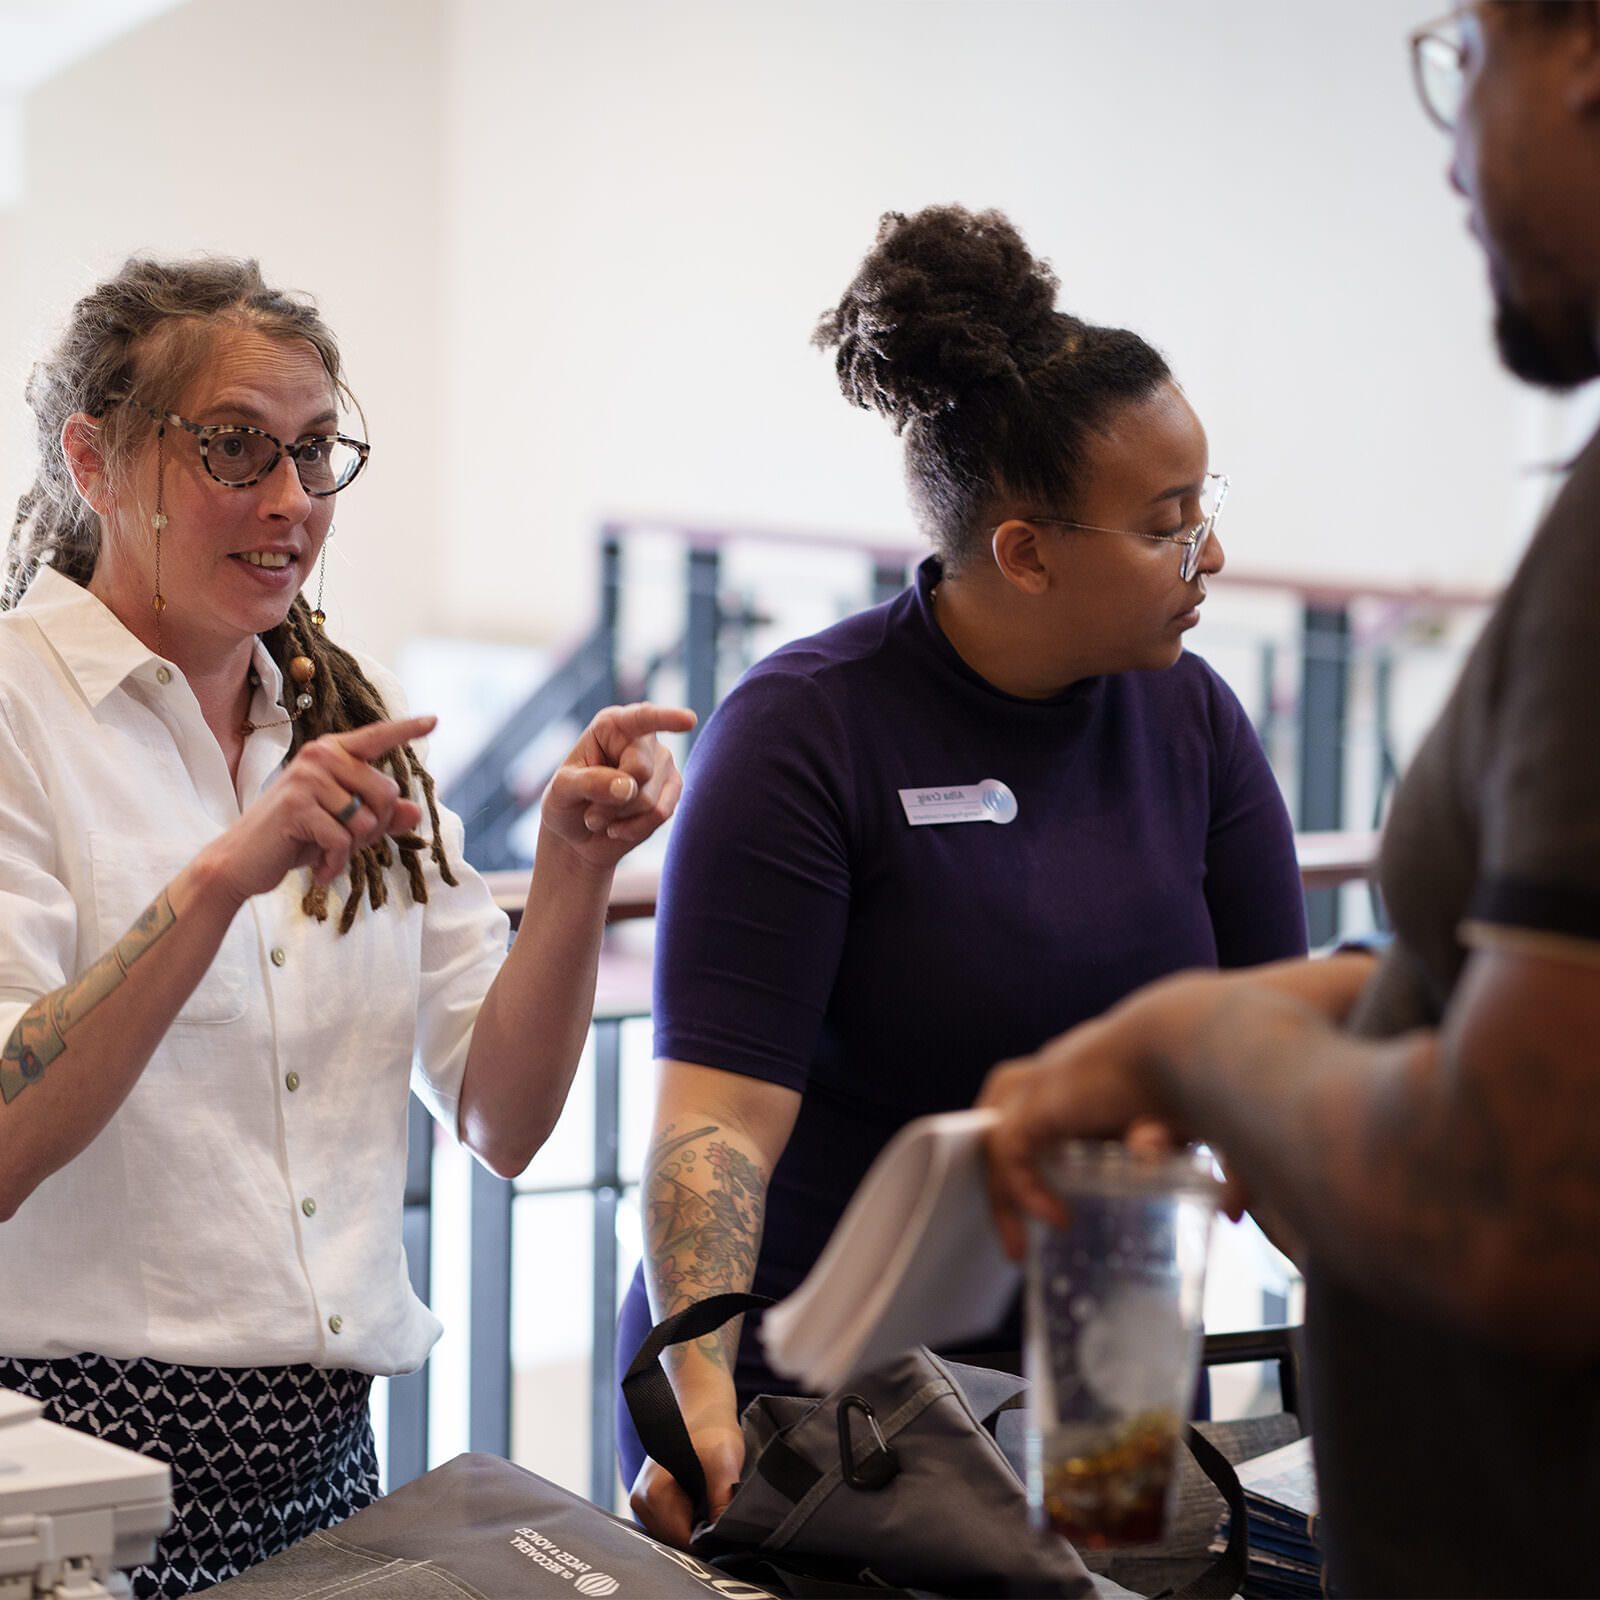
[(989, 801)]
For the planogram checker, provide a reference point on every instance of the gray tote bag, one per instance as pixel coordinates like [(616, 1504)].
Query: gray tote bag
[(479, 1528), (895, 1483)]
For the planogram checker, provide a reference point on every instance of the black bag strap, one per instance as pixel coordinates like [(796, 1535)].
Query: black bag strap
[(1225, 1576), (648, 1393)]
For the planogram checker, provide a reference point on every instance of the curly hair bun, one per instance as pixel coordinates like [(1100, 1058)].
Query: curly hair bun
[(948, 301)]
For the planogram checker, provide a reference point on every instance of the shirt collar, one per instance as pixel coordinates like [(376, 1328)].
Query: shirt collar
[(97, 650)]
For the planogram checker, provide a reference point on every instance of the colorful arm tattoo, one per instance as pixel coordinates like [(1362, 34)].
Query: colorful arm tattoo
[(703, 1238), (41, 1033)]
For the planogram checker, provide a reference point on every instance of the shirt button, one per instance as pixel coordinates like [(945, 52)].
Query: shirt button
[(335, 1323), (291, 1081), (163, 675), (309, 1206), (279, 955)]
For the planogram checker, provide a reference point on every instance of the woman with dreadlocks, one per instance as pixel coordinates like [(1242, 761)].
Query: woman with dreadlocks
[(231, 914)]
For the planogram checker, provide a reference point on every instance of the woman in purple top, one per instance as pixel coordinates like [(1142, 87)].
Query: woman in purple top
[(949, 827)]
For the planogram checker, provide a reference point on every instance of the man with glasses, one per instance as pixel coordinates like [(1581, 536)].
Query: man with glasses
[(1430, 1126)]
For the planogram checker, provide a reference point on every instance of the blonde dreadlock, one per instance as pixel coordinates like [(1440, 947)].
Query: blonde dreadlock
[(344, 698), (130, 347)]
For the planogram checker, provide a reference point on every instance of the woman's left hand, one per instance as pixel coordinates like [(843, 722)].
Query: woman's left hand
[(618, 785)]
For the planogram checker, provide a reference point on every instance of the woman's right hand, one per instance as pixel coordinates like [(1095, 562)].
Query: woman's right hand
[(299, 819), (660, 1503)]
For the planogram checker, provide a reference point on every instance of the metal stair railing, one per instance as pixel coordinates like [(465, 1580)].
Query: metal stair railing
[(483, 794)]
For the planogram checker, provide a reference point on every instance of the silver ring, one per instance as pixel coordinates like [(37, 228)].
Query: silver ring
[(349, 809)]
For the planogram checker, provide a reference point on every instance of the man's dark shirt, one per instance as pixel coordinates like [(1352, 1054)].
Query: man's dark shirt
[(1448, 1465)]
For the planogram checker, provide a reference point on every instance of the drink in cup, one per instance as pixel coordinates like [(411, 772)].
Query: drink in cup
[(1113, 1339)]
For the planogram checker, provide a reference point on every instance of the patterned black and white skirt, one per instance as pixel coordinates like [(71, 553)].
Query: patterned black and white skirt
[(261, 1456)]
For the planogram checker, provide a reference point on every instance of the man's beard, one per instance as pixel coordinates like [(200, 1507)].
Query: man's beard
[(1554, 357)]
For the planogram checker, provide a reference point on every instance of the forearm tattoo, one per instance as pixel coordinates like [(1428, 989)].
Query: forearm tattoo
[(704, 1212), (41, 1033)]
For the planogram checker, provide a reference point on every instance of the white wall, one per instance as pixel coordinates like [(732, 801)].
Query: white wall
[(308, 135), (575, 253), (649, 206)]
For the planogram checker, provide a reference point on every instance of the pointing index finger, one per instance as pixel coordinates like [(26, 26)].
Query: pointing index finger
[(633, 722), (379, 738)]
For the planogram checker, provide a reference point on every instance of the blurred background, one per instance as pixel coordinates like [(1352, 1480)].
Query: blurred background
[(574, 252)]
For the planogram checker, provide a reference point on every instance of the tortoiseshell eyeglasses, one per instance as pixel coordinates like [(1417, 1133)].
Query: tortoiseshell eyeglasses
[(237, 455)]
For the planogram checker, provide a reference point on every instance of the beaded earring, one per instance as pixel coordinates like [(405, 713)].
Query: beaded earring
[(158, 601), (318, 615)]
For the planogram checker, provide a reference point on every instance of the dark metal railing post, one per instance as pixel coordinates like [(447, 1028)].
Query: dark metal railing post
[(607, 1192), (610, 606), (1388, 773), (702, 626), (1383, 731), (889, 577), (1267, 721), (1324, 704)]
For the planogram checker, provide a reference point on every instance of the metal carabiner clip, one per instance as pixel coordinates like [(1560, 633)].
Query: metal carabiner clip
[(878, 1468)]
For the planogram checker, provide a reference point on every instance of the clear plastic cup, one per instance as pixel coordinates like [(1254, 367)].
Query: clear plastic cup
[(1113, 1339)]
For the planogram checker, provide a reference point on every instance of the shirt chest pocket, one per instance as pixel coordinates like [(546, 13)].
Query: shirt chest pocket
[(128, 874)]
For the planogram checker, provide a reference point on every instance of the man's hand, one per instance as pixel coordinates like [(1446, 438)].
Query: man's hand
[(1101, 1080)]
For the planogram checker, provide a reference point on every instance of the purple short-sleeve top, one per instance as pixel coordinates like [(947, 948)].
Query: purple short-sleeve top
[(809, 935)]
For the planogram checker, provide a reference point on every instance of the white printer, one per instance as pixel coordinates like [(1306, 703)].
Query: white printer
[(73, 1509)]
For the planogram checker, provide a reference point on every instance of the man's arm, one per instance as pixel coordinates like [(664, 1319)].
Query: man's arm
[(1459, 1171), (1456, 1171)]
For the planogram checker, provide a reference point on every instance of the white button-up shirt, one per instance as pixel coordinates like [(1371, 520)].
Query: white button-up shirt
[(243, 1206)]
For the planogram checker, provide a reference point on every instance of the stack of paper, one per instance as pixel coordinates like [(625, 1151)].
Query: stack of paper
[(914, 1260), (1280, 1496)]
